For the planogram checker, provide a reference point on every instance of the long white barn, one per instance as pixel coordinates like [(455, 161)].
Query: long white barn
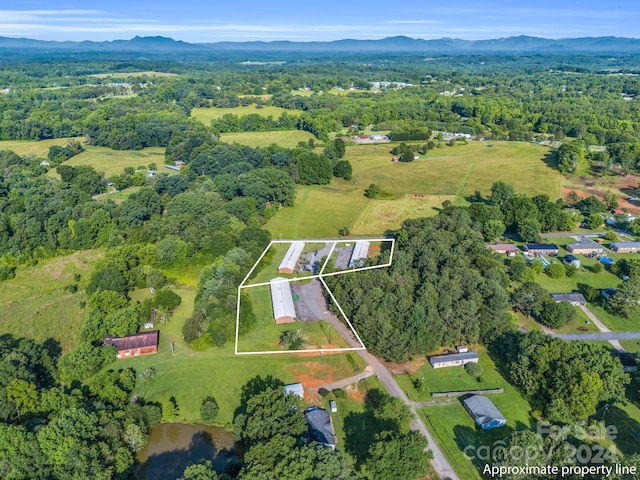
[(282, 300), (289, 261), (360, 252)]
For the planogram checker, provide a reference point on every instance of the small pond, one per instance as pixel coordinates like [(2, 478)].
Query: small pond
[(173, 446)]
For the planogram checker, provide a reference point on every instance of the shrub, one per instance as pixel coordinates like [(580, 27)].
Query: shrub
[(209, 410), (167, 299), (339, 393), (473, 369), (596, 267), (556, 270)]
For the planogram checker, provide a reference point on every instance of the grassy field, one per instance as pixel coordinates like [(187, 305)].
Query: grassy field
[(34, 304), (283, 138), (32, 147), (449, 422), (413, 189), (190, 376), (113, 162), (205, 114)]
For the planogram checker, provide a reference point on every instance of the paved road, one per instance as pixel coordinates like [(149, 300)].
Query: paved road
[(598, 336), (367, 372), (602, 327), (439, 462)]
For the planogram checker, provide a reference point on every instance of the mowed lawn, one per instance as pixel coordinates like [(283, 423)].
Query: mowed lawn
[(206, 114), (35, 304), (449, 422), (31, 147), (113, 162), (283, 138), (191, 376), (414, 189)]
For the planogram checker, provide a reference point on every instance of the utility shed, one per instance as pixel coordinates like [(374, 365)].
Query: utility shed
[(453, 359), (320, 427), (295, 388), (282, 300), (289, 261), (484, 412), (133, 345), (360, 253)]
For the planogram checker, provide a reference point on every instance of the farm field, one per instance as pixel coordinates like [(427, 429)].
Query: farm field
[(35, 304), (283, 138), (31, 147), (113, 162), (206, 114), (413, 189)]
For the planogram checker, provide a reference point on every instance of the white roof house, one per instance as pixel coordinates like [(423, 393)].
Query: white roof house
[(289, 261), (360, 252), (282, 300)]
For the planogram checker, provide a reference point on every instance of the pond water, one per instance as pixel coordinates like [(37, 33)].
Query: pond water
[(173, 446)]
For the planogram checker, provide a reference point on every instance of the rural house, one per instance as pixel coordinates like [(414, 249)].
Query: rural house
[(573, 298), (541, 248), (290, 259), (585, 248), (509, 249), (320, 427), (484, 412), (625, 247), (133, 345), (282, 300), (453, 359)]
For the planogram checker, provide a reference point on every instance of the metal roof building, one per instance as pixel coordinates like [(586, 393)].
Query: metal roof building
[(289, 261), (453, 359), (360, 252), (484, 412), (295, 388), (282, 300)]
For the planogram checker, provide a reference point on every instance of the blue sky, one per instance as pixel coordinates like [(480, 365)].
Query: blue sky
[(240, 20)]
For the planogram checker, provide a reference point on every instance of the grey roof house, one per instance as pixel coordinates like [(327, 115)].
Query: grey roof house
[(484, 412), (320, 427)]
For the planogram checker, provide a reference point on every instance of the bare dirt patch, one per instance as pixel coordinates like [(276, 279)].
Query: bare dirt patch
[(313, 375)]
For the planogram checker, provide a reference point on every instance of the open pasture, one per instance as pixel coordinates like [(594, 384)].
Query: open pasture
[(283, 138), (36, 305), (32, 147), (413, 189), (113, 162), (206, 114)]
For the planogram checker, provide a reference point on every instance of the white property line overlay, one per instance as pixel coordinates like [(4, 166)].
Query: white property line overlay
[(319, 277)]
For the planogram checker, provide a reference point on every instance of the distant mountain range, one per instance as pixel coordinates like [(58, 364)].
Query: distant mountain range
[(163, 45)]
